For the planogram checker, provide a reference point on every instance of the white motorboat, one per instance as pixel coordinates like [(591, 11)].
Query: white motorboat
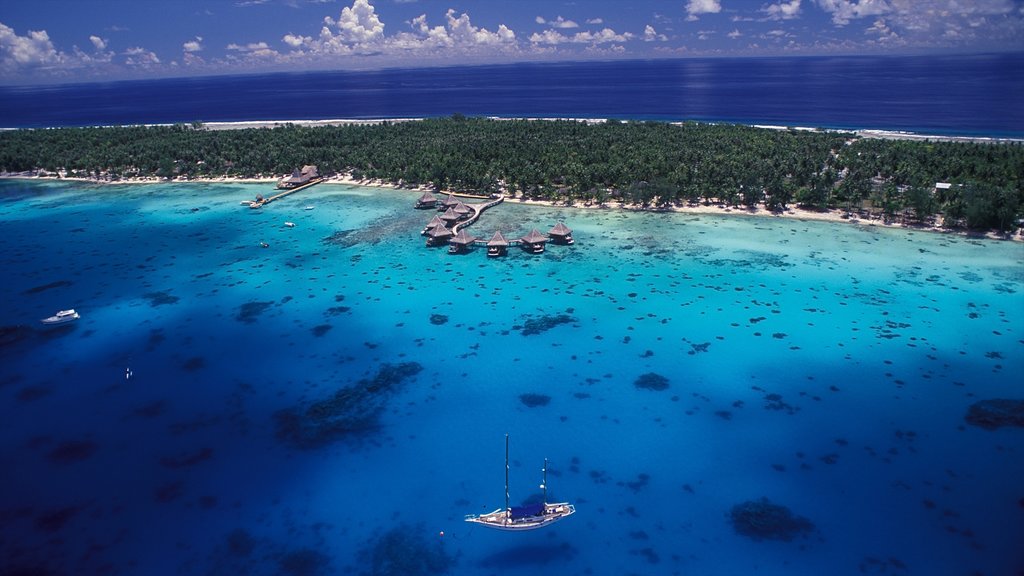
[(62, 317)]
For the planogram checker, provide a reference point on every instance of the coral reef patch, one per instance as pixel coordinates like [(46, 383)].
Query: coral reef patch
[(532, 400), (764, 520), (250, 311), (350, 410), (405, 551), (651, 381), (533, 326), (996, 413)]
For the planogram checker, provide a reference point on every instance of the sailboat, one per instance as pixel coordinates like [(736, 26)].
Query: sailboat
[(529, 517)]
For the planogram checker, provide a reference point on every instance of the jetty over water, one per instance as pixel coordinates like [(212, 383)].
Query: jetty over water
[(449, 228), (299, 180)]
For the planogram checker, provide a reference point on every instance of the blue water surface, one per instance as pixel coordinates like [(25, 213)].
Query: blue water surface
[(936, 94), (827, 368)]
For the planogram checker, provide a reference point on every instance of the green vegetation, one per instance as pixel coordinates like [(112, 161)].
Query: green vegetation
[(647, 164)]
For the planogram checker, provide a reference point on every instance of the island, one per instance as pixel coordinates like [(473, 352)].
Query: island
[(974, 185)]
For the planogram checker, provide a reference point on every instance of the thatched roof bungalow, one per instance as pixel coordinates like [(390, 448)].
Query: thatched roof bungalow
[(427, 200), (438, 236), (560, 234), (461, 242), (533, 242), (497, 245)]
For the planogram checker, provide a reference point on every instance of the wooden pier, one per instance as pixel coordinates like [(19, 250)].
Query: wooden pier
[(477, 209), (261, 202)]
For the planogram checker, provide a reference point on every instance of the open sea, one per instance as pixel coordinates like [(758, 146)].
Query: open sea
[(977, 95), (337, 401)]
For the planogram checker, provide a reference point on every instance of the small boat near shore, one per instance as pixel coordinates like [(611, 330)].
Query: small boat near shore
[(62, 317)]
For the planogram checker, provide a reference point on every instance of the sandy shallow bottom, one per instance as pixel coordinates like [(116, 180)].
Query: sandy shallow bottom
[(334, 401)]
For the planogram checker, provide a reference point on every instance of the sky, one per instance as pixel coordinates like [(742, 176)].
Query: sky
[(60, 41)]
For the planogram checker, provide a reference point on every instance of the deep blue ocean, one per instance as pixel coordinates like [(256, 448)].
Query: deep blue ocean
[(716, 394), (955, 95)]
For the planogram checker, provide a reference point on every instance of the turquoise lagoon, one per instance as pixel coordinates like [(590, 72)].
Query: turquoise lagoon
[(191, 421)]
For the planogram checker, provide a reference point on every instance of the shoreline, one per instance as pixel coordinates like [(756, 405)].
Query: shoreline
[(792, 212), (876, 133)]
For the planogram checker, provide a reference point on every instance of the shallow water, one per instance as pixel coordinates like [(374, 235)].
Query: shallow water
[(825, 367)]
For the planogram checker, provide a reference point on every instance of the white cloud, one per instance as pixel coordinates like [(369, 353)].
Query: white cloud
[(884, 33), (35, 49), (558, 22), (650, 35), (604, 36), (194, 45), (99, 43), (140, 57), (697, 7), (735, 34), (250, 47), (296, 41), (843, 11), (783, 10), (595, 21), (358, 23), (462, 31)]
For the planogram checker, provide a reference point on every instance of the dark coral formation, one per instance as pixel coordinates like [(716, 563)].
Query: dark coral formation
[(10, 335), (349, 411), (763, 520), (250, 311), (438, 319), (544, 323), (321, 329), (405, 551), (533, 400), (996, 413), (73, 451), (651, 381), (160, 298)]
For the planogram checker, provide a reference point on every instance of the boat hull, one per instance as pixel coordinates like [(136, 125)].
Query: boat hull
[(500, 520)]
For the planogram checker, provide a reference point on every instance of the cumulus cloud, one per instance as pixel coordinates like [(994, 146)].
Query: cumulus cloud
[(650, 35), (359, 23), (558, 22), (843, 11), (194, 45), (782, 10), (885, 34), (604, 36), (735, 34), (35, 49), (296, 41), (595, 21), (697, 7), (98, 43), (462, 31), (140, 57)]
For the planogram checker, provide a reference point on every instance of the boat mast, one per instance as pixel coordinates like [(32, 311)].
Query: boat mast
[(508, 511), (544, 482)]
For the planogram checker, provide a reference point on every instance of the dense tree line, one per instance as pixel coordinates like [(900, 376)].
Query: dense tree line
[(651, 164)]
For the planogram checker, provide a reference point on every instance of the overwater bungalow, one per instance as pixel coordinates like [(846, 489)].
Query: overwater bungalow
[(438, 236), (450, 217), (447, 203), (460, 243), (533, 242), (427, 200), (560, 234), (434, 223), (497, 246), (462, 210), (300, 177)]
